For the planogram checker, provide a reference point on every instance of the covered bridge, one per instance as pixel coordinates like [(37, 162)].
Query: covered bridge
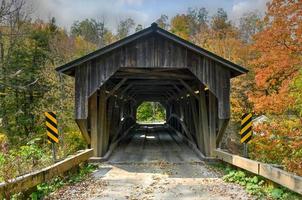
[(192, 83)]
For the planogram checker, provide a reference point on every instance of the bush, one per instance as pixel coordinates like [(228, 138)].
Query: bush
[(279, 142), (73, 141)]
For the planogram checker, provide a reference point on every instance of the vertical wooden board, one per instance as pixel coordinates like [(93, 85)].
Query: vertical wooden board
[(94, 77), (134, 55), (203, 113), (161, 53), (168, 53), (156, 52), (103, 140), (214, 78), (212, 122), (146, 52), (141, 53), (151, 52), (93, 115)]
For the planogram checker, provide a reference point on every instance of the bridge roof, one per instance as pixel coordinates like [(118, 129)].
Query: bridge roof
[(69, 68)]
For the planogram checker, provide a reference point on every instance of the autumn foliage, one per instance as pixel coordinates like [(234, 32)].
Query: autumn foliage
[(278, 48)]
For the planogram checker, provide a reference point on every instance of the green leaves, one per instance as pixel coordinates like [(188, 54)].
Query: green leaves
[(150, 111), (257, 186)]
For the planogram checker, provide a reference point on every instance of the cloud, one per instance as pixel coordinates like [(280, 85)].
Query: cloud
[(244, 6), (68, 11), (131, 2)]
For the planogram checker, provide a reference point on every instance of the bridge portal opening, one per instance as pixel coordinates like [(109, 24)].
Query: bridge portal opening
[(150, 112)]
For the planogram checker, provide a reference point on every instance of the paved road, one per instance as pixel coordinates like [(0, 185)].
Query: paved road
[(151, 165)]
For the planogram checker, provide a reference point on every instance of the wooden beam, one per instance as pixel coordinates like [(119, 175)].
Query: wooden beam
[(223, 124), (27, 181), (152, 82), (82, 124), (103, 138), (154, 75), (93, 116), (125, 89), (203, 122), (284, 178), (213, 112), (191, 91), (116, 87)]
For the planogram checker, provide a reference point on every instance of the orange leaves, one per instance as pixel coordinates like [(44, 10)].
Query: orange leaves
[(278, 59)]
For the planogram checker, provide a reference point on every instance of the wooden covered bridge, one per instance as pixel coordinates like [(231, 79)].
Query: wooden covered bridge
[(192, 83), (151, 65)]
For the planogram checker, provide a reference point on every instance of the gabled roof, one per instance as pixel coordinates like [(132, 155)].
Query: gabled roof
[(68, 68)]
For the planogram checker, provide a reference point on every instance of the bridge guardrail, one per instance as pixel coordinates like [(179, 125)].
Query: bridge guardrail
[(284, 178), (30, 180)]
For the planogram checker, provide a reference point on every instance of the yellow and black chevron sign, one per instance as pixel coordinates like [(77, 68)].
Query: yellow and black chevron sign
[(52, 127), (246, 128)]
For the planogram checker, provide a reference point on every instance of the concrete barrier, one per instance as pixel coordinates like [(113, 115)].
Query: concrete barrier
[(286, 179), (27, 181)]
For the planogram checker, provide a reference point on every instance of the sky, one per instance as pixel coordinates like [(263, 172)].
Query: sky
[(142, 11)]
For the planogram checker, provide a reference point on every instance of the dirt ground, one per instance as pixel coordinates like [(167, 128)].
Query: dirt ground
[(153, 165)]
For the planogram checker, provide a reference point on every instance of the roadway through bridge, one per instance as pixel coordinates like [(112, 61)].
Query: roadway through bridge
[(153, 163), (152, 144)]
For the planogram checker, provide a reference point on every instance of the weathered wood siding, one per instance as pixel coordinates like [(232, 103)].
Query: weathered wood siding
[(149, 52)]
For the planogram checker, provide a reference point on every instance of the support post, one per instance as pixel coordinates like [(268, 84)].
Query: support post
[(212, 122), (93, 114), (102, 123), (53, 148), (245, 150), (203, 122)]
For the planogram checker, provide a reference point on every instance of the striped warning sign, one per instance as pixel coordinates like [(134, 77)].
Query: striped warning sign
[(246, 128), (52, 127)]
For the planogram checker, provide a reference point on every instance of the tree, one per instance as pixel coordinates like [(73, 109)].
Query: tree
[(278, 56), (91, 30), (163, 22), (296, 94), (125, 27), (150, 112), (139, 27), (220, 23), (180, 26), (250, 24), (198, 19)]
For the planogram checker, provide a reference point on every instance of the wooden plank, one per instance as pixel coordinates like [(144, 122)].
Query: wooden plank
[(212, 122), (291, 181), (223, 123), (93, 115), (102, 124), (244, 163), (82, 124), (286, 179), (203, 121), (27, 181), (116, 87)]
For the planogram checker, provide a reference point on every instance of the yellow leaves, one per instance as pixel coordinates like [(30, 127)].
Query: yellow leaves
[(3, 138), (82, 46), (180, 26)]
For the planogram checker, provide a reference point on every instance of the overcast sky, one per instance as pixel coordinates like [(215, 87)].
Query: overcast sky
[(142, 11)]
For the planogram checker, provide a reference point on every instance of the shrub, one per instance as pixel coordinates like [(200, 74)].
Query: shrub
[(279, 142)]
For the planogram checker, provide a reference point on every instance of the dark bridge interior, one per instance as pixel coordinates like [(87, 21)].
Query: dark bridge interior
[(152, 65)]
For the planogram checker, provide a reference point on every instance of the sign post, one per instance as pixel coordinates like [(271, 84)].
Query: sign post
[(246, 132), (52, 131)]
